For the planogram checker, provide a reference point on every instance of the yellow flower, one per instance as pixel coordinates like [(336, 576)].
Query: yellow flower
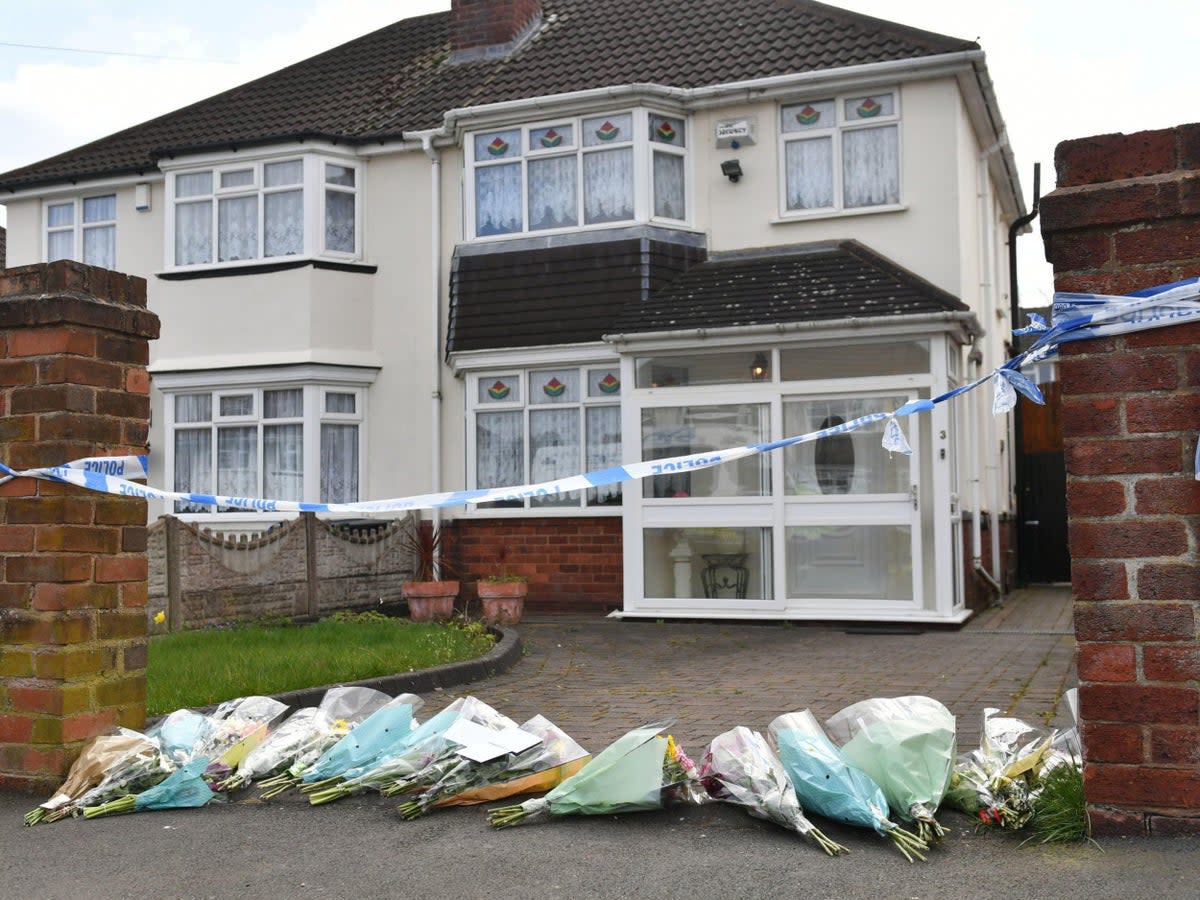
[(341, 726), (160, 617)]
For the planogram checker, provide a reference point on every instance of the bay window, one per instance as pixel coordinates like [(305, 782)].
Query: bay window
[(530, 426), (264, 210), (291, 442), (83, 229), (840, 153), (575, 172)]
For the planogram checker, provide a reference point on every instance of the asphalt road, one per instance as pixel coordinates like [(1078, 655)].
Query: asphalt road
[(358, 848)]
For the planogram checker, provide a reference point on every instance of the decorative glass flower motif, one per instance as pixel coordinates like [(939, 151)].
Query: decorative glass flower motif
[(869, 108), (608, 131), (554, 388), (666, 132), (498, 147), (499, 390), (551, 138), (608, 384), (808, 115)]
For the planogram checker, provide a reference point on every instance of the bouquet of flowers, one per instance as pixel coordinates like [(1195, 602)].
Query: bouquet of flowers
[(307, 731), (740, 768), (388, 726), (427, 747), (238, 727), (555, 758), (139, 770), (183, 788), (1000, 780), (179, 734), (102, 754), (640, 771), (828, 783), (906, 744)]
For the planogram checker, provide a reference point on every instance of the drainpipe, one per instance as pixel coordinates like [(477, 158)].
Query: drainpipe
[(1015, 311), (435, 274)]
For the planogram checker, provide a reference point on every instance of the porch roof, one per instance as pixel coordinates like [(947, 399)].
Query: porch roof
[(802, 283)]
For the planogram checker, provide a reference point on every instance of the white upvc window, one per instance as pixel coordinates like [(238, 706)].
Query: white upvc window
[(83, 229), (840, 153), (293, 441), (577, 172), (264, 210), (527, 426)]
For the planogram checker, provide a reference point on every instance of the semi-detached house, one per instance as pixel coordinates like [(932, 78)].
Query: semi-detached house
[(527, 238)]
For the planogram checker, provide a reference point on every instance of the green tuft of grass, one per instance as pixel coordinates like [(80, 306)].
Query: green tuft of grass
[(199, 668), (1060, 811)]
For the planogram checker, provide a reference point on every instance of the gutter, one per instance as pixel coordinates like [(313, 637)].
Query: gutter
[(964, 317)]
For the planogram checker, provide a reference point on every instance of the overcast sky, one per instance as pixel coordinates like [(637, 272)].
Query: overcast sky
[(1062, 68)]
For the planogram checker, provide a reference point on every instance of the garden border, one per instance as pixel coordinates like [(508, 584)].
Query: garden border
[(496, 661)]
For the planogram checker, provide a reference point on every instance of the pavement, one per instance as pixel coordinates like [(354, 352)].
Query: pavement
[(597, 678)]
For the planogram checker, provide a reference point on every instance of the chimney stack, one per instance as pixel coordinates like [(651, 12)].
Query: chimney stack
[(491, 27)]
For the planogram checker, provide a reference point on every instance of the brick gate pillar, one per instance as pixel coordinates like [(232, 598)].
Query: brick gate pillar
[(73, 383), (1126, 215)]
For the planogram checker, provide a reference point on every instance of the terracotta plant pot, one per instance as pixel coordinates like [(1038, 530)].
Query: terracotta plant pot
[(430, 601), (502, 602)]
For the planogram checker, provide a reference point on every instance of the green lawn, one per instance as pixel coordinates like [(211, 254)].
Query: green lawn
[(198, 668)]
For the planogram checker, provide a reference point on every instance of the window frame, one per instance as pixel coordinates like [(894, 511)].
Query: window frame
[(312, 186), (643, 149), (523, 373), (78, 226), (312, 417), (835, 133)]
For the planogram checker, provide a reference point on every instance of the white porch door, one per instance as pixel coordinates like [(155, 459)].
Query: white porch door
[(851, 541)]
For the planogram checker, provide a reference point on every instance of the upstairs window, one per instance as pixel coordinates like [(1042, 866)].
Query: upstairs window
[(83, 229), (576, 172), (263, 210), (840, 153)]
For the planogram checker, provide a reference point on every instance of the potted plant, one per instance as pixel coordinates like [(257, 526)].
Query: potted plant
[(502, 596), (430, 597)]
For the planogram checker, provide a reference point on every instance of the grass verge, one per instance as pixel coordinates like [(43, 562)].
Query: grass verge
[(1060, 811), (198, 668)]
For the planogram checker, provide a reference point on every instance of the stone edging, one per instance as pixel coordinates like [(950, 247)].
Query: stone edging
[(496, 661)]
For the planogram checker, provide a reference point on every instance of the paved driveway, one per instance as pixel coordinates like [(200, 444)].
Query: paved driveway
[(598, 677)]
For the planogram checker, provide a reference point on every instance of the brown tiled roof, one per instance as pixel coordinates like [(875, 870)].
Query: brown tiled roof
[(809, 282), (398, 78)]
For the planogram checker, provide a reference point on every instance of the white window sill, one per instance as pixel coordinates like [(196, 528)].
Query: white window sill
[(274, 263), (837, 213)]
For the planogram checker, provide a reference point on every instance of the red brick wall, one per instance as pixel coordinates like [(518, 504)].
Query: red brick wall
[(573, 565), (73, 383), (1126, 215), (485, 23)]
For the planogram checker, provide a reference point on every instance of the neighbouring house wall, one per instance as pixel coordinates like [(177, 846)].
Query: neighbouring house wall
[(304, 567), (1126, 215), (572, 565)]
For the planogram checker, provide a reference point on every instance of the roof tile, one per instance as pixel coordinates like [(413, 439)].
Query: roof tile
[(399, 78)]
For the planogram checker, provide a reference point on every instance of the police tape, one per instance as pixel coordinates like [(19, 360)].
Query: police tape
[(1076, 316)]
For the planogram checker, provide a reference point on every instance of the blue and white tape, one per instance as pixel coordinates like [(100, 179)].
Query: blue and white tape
[(1076, 316)]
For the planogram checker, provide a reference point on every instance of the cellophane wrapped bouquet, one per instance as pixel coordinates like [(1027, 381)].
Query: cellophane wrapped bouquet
[(384, 729), (639, 771), (827, 782), (999, 782), (907, 746), (540, 768), (307, 731), (238, 727), (740, 768), (423, 747), (184, 788), (105, 754)]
